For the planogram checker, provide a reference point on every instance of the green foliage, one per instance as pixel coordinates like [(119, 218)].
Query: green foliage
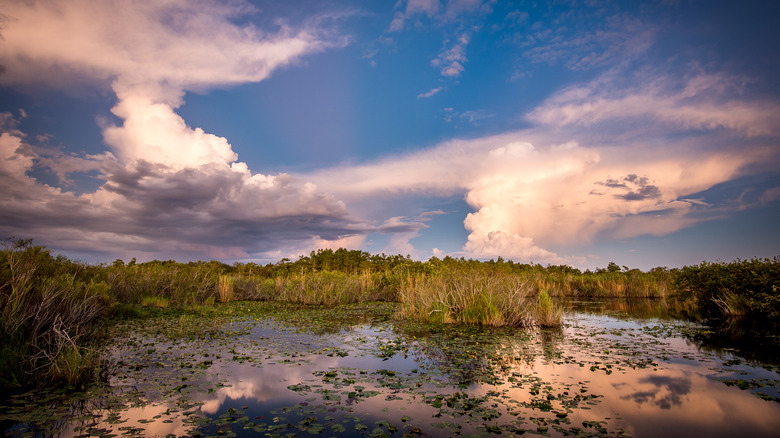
[(50, 306), (739, 288), (47, 309), (547, 313), (469, 295), (179, 283)]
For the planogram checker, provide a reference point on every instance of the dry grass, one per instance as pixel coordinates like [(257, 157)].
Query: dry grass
[(475, 297)]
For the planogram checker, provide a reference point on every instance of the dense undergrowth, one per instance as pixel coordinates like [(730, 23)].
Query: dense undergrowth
[(52, 307)]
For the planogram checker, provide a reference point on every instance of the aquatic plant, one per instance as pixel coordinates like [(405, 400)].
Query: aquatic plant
[(547, 313), (468, 296)]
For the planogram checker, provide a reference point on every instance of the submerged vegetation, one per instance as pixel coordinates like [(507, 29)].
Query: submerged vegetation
[(52, 307)]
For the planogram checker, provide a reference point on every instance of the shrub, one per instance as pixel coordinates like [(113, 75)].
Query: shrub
[(739, 288)]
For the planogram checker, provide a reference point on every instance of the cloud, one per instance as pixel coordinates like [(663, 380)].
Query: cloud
[(532, 190), (169, 188), (451, 60), (464, 16), (414, 7), (161, 47), (430, 93), (589, 42), (450, 11), (698, 102)]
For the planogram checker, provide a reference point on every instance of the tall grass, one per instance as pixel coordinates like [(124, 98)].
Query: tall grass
[(321, 288), (225, 289), (179, 284), (47, 310), (50, 306), (474, 297)]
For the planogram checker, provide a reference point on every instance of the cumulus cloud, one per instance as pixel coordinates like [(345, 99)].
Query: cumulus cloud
[(168, 186), (451, 60), (530, 191)]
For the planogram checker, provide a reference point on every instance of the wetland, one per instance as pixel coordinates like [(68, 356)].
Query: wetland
[(344, 343), (613, 368)]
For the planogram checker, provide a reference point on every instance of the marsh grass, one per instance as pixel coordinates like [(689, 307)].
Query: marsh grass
[(742, 288), (471, 297), (155, 301), (225, 289), (50, 307), (547, 314), (181, 284), (47, 310)]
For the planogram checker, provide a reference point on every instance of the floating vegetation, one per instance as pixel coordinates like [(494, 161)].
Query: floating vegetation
[(281, 370)]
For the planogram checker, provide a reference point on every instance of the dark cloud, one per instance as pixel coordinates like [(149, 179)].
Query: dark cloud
[(635, 188), (192, 213), (668, 391)]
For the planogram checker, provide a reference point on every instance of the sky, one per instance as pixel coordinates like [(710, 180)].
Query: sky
[(565, 132)]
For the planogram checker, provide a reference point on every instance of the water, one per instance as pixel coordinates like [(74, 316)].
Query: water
[(355, 371)]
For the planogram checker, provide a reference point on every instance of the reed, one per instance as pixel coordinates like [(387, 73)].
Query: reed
[(225, 289), (47, 310), (472, 297), (547, 314)]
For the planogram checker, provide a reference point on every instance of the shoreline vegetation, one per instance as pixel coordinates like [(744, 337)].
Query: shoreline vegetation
[(54, 309)]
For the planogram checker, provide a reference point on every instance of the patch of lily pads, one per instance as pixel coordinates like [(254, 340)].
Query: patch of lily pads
[(387, 377)]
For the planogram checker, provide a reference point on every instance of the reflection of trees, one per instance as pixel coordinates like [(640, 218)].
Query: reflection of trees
[(752, 340), (551, 339), (475, 354), (646, 308)]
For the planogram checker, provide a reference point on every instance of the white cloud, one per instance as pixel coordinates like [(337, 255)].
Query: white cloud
[(414, 7), (168, 187), (532, 190), (154, 48), (451, 60), (430, 93), (700, 102)]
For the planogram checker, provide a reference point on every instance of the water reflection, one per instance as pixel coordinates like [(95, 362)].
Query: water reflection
[(665, 391), (309, 372), (641, 308), (755, 342)]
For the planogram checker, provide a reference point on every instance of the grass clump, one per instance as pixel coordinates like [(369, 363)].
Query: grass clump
[(47, 309), (547, 314), (155, 301), (473, 297), (225, 289)]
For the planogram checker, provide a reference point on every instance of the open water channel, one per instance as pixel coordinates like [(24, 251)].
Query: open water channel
[(613, 369)]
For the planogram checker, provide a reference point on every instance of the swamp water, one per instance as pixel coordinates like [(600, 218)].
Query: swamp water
[(258, 369)]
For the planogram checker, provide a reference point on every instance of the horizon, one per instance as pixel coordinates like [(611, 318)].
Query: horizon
[(645, 134)]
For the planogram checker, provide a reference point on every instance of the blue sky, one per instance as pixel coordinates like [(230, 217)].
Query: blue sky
[(644, 133)]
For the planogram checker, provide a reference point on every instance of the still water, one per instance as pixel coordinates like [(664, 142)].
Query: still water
[(613, 369)]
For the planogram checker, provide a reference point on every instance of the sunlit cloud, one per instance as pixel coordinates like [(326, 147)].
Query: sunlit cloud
[(451, 60), (530, 191), (166, 183), (699, 102)]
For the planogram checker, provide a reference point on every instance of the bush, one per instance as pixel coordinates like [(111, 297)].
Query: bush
[(739, 288)]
